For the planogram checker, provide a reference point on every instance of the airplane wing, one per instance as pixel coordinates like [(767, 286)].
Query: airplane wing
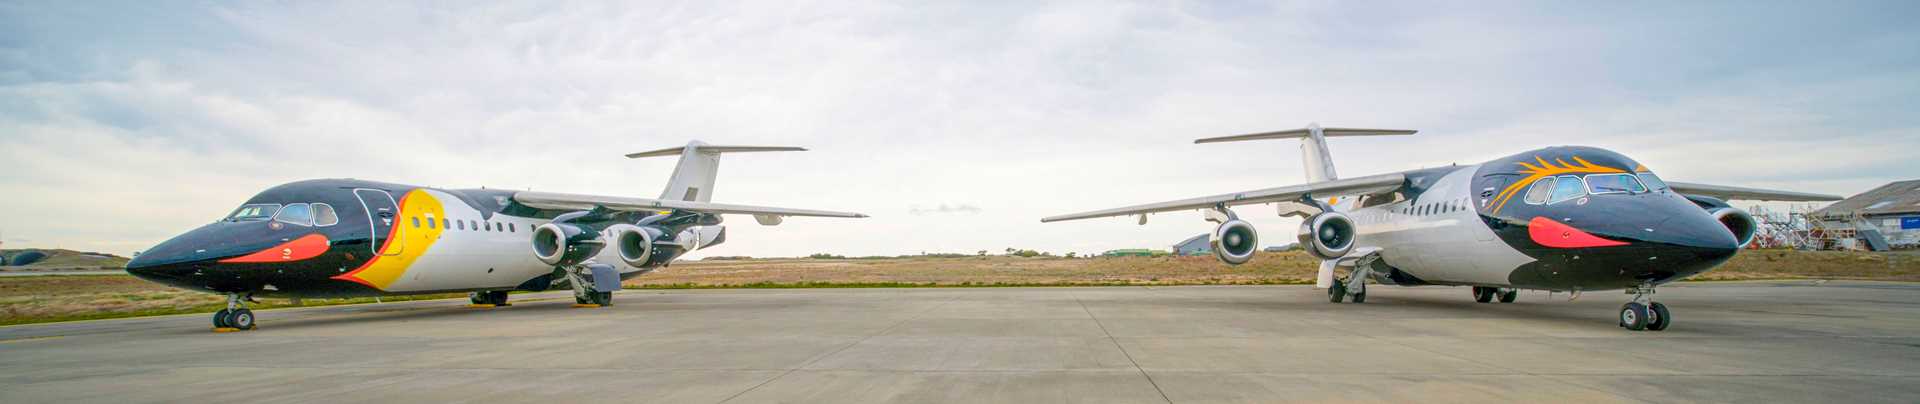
[(549, 200), (1350, 186), (1743, 193)]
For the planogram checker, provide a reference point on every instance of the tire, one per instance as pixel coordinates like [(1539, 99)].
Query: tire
[(1633, 316), (497, 298), (1509, 296), (1482, 294), (588, 299), (241, 319), (604, 299), (1337, 293), (478, 298), (1661, 317), (220, 319), (1360, 297)]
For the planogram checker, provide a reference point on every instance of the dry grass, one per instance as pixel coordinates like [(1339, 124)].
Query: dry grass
[(40, 299)]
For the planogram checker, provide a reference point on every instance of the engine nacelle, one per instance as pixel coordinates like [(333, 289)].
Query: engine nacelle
[(1235, 241), (1327, 235), (562, 244), (1737, 221), (634, 243)]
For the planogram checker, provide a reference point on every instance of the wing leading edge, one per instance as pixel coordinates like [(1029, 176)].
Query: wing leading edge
[(1725, 192), (1350, 186), (549, 200)]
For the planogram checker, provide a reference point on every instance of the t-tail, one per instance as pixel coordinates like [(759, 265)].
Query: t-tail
[(1313, 150), (1313, 145), (699, 164)]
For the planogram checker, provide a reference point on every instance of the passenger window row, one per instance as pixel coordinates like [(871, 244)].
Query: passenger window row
[(473, 225), (1427, 209)]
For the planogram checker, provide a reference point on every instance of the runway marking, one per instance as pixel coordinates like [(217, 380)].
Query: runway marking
[(30, 339), (1123, 349)]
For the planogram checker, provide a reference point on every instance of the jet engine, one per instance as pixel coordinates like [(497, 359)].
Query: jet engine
[(560, 243), (634, 243), (1737, 221), (1327, 235), (1235, 241)]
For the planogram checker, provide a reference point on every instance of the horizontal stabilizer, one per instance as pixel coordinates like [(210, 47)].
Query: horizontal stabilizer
[(705, 148), (1304, 132)]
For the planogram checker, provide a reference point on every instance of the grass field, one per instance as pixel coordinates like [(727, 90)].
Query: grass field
[(61, 298)]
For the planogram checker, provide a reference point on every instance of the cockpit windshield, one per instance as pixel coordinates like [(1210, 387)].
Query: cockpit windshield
[(1614, 184), (1652, 181), (253, 212)]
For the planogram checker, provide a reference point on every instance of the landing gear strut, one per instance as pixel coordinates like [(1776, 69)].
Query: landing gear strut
[(1643, 313), (235, 317), (593, 285), (1356, 284)]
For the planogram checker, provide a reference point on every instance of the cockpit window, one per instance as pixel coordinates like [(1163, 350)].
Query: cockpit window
[(298, 213), (1568, 187), (253, 212), (323, 215), (1614, 184), (1652, 181), (1541, 189)]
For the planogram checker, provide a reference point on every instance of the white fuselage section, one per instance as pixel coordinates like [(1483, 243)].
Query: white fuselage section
[(1438, 236)]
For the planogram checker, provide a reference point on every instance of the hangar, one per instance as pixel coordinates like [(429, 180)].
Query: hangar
[(1881, 219)]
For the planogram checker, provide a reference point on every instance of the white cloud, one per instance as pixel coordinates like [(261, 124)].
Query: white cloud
[(122, 125)]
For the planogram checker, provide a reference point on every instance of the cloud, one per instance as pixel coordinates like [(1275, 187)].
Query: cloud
[(944, 209), (124, 124)]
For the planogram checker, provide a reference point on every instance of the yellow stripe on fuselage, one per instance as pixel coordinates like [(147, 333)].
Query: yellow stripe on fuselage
[(383, 270)]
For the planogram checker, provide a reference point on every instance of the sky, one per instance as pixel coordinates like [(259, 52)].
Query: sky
[(956, 125)]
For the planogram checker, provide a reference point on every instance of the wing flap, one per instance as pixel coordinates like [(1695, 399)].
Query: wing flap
[(1350, 186), (550, 200), (1726, 192)]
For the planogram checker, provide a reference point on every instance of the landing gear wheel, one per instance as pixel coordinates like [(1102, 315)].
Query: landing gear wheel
[(478, 298), (1360, 297), (1337, 293), (1482, 294), (603, 298), (220, 319), (497, 298), (1660, 318), (241, 319), (1633, 316), (588, 299), (1509, 295)]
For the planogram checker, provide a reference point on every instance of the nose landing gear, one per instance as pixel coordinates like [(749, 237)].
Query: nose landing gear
[(1643, 313), (1487, 294), (236, 317)]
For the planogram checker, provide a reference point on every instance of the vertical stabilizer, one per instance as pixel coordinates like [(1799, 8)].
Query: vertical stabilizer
[(699, 164)]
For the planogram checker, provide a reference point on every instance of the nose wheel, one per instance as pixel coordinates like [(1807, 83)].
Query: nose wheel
[(1485, 294), (236, 317), (1644, 314)]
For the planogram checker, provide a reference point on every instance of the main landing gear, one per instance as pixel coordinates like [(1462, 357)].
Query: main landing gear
[(235, 317), (1484, 294), (593, 285), (1643, 313), (488, 298), (1355, 285)]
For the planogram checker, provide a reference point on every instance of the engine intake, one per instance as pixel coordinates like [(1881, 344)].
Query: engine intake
[(1235, 241), (1737, 221), (634, 243), (562, 244), (1327, 235)]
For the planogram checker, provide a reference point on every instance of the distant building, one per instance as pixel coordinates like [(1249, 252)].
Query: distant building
[(1133, 252), (1196, 245), (1884, 218)]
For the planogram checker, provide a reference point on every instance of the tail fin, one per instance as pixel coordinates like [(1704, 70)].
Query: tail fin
[(1313, 145), (699, 164)]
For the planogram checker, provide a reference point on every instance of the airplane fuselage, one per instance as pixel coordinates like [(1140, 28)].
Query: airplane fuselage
[(376, 239), (1480, 225)]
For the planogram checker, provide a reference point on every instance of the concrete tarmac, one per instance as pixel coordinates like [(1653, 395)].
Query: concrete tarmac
[(1732, 342)]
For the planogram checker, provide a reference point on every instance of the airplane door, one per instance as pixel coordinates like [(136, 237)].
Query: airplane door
[(382, 212)]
